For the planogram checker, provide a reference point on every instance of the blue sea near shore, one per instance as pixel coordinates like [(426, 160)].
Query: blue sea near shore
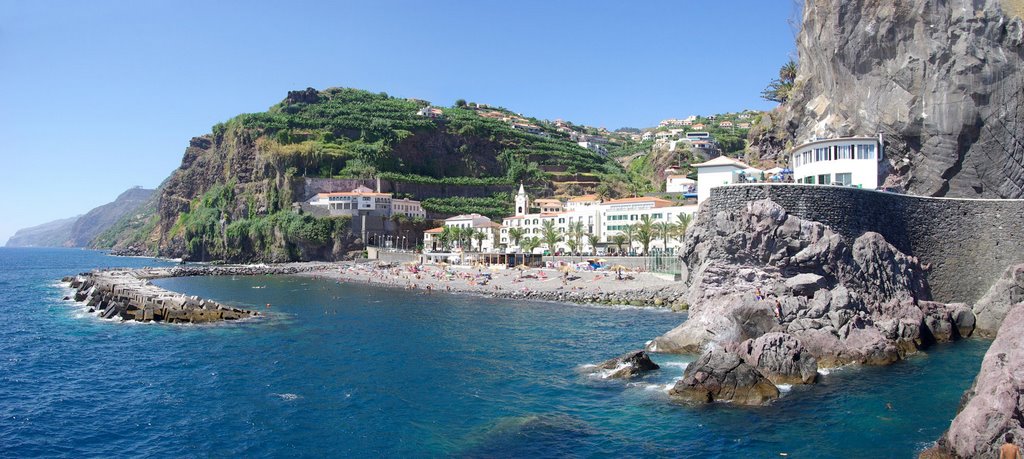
[(351, 370)]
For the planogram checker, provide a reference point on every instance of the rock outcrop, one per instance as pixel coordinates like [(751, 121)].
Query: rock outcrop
[(1007, 291), (779, 357), (759, 270), (994, 405), (943, 81), (722, 376), (628, 365)]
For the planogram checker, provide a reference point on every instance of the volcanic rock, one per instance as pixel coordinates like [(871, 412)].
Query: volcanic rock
[(780, 357), (993, 306), (721, 376), (629, 365)]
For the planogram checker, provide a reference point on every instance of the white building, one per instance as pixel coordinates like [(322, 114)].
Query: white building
[(717, 172), (593, 146), (679, 184), (478, 223), (848, 161), (603, 220), (364, 201)]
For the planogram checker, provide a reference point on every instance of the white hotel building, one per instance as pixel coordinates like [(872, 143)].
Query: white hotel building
[(848, 161), (603, 219)]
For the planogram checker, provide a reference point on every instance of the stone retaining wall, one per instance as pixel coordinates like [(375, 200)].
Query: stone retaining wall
[(967, 242)]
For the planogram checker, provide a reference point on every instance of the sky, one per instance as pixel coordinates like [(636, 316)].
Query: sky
[(98, 96)]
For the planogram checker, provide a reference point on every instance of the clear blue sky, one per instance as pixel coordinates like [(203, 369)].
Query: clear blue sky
[(98, 96)]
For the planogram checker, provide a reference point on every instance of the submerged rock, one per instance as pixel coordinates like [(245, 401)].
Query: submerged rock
[(629, 365), (994, 404), (779, 357), (722, 376)]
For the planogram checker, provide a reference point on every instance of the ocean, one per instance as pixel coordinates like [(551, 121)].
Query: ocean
[(359, 371)]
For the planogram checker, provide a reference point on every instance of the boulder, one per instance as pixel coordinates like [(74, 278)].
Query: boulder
[(629, 365), (780, 357), (722, 376), (805, 284), (946, 322), (1007, 291), (993, 405)]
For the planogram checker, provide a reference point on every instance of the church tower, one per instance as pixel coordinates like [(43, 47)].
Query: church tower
[(522, 202)]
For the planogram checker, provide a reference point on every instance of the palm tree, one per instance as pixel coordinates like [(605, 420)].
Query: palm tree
[(573, 245), (630, 232), (576, 235), (592, 239), (645, 232), (550, 235), (457, 236), (515, 235), (683, 221), (480, 236), (664, 229), (447, 234), (618, 240), (530, 243)]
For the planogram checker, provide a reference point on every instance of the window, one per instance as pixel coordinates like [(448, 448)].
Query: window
[(809, 180), (656, 216), (824, 179), (866, 151), (844, 178)]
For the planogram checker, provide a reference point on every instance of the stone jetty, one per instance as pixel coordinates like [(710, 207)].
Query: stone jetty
[(128, 294)]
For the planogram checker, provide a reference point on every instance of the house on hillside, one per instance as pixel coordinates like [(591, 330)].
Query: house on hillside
[(430, 112), (716, 172), (725, 124)]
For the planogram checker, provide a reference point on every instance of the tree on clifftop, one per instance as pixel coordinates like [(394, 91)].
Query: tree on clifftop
[(778, 90)]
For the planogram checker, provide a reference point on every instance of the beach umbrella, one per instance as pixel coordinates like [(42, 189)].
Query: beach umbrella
[(565, 269), (787, 171), (618, 267), (602, 260)]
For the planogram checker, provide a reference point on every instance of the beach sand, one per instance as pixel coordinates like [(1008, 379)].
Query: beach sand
[(541, 283)]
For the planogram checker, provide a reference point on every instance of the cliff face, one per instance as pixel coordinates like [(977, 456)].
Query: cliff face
[(51, 234), (96, 221), (943, 80), (83, 230)]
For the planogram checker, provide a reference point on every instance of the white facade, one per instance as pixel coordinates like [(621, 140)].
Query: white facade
[(849, 161), (364, 201), (717, 172), (477, 222), (679, 184), (601, 219)]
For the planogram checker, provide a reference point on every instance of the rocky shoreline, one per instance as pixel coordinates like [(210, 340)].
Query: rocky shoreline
[(128, 295)]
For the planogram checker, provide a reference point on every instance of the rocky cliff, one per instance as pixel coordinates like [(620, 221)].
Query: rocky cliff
[(97, 220), (942, 80), (82, 230), (50, 234)]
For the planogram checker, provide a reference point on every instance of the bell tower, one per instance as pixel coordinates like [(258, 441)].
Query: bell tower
[(522, 202)]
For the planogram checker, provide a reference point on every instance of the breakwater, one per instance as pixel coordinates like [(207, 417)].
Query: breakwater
[(965, 243), (127, 293)]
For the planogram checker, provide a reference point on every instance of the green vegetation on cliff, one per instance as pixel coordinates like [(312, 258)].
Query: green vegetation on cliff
[(210, 234)]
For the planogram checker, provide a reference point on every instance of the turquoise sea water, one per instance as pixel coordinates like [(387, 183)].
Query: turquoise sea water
[(351, 370)]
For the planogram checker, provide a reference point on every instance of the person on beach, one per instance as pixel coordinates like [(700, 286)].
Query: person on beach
[(778, 311), (1009, 450), (757, 294)]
